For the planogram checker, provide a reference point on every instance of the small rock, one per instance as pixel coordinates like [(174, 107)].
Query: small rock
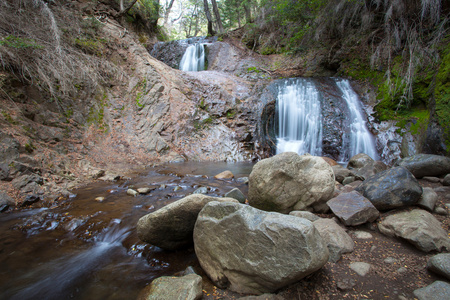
[(224, 175), (438, 290), (348, 180), (201, 190), (4, 172), (446, 180), (305, 215), (177, 188), (402, 270), (236, 194), (188, 287), (441, 211), (263, 297), (100, 199), (431, 179), (390, 260), (189, 270), (361, 268), (338, 241), (353, 209), (132, 192), (145, 190), (428, 199), (110, 177), (440, 264), (363, 235), (5, 199), (243, 180), (346, 284)]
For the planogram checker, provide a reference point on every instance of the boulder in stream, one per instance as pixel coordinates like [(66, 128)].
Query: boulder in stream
[(391, 189), (288, 181), (252, 251), (171, 226), (421, 165)]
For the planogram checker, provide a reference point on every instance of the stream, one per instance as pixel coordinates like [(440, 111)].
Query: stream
[(81, 248)]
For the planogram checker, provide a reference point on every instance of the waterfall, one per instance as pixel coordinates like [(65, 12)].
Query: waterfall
[(360, 139), (194, 58), (299, 118)]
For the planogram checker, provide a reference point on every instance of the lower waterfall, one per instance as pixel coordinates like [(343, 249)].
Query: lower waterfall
[(299, 116)]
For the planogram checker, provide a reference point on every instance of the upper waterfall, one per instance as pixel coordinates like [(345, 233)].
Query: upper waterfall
[(194, 58), (299, 118)]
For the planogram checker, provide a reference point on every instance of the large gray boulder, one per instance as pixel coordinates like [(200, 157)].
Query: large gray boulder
[(438, 290), (338, 241), (288, 181), (253, 251), (171, 226), (421, 165), (188, 287), (418, 227), (440, 264), (391, 189), (353, 209)]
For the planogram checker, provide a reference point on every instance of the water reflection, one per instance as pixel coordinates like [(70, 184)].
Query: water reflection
[(86, 249)]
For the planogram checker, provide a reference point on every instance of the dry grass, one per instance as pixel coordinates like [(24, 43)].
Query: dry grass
[(36, 44)]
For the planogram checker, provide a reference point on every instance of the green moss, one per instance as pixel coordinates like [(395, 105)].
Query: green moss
[(8, 118), (141, 88), (253, 70), (12, 41), (442, 93), (231, 113), (29, 147), (97, 113), (93, 46), (417, 118)]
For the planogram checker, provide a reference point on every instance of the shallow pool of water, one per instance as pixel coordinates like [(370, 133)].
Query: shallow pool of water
[(81, 248)]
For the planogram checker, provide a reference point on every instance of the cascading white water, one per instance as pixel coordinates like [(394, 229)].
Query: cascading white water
[(360, 139), (194, 58), (299, 118)]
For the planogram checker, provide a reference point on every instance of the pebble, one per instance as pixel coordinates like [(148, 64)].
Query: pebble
[(441, 211), (346, 284), (402, 270), (390, 260), (363, 235), (132, 192), (144, 191), (100, 199), (361, 268), (431, 179)]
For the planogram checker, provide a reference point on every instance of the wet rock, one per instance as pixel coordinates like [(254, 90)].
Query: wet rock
[(421, 165), (171, 226), (428, 199), (6, 200), (418, 227), (446, 180), (287, 182), (188, 287), (353, 209), (391, 189), (75, 223), (440, 264), (438, 290), (224, 175), (359, 161), (100, 199), (95, 173), (132, 192), (330, 161), (201, 190), (243, 180), (305, 215), (337, 240), (361, 268), (30, 199), (146, 190), (285, 248), (110, 177), (340, 173), (236, 194)]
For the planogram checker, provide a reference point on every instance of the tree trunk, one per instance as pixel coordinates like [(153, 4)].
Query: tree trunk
[(123, 9), (248, 13), (209, 18), (238, 17), (167, 12), (217, 15)]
